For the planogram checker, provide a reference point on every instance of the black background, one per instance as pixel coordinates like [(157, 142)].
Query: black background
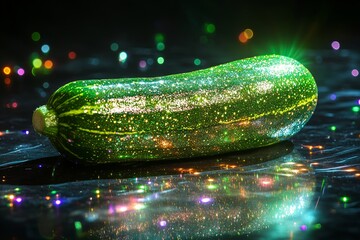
[(92, 24)]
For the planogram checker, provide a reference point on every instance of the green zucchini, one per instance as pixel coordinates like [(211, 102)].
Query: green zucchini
[(243, 104)]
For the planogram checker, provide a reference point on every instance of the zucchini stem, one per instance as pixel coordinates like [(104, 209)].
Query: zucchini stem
[(44, 121)]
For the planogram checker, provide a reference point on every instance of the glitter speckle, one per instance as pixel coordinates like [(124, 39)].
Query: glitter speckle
[(238, 105)]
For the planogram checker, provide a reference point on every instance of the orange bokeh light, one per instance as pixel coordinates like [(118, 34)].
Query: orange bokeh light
[(48, 64), (6, 70)]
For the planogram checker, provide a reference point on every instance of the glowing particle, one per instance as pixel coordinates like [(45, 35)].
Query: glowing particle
[(335, 45), (242, 38), (303, 227), (355, 109), (160, 60), (142, 64), (205, 199), (211, 186), (122, 57), (72, 55), (162, 223), (45, 48), (20, 71), (114, 47), (159, 37), (53, 192), (46, 85), (48, 64), (355, 72), (317, 226), (97, 191), (344, 199), (58, 202), (333, 128), (18, 199), (139, 206), (37, 63), (197, 61), (150, 61), (248, 33), (7, 81), (6, 70), (35, 36), (333, 96), (209, 28), (14, 104), (266, 182), (160, 46), (26, 132), (77, 225), (121, 208)]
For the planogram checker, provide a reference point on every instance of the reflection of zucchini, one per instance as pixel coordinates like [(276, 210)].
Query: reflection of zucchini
[(249, 103)]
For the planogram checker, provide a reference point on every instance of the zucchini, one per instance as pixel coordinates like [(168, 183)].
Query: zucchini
[(243, 104)]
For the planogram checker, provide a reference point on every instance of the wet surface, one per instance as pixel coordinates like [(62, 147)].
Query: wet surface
[(304, 188)]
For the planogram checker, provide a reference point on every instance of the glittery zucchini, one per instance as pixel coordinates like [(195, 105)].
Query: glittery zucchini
[(248, 103)]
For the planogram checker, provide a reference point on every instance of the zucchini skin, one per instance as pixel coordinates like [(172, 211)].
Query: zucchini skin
[(239, 105)]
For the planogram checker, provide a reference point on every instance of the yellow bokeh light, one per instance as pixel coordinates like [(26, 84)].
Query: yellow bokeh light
[(37, 63), (248, 33), (7, 70)]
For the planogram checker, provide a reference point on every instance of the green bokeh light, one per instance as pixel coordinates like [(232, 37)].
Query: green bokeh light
[(114, 47), (37, 62), (160, 46), (355, 109), (160, 60), (197, 61), (159, 37), (35, 36), (78, 225), (209, 28), (344, 199)]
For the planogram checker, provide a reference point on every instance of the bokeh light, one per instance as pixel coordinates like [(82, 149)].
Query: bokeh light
[(48, 64), (37, 63), (45, 48), (7, 70), (335, 45), (355, 72), (35, 36), (160, 46), (114, 46), (209, 28), (122, 57), (159, 37), (7, 81), (246, 35), (20, 71), (142, 64), (197, 61), (355, 109), (72, 55), (160, 60)]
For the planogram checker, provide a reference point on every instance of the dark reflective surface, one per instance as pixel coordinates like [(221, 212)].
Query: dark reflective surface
[(304, 188)]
